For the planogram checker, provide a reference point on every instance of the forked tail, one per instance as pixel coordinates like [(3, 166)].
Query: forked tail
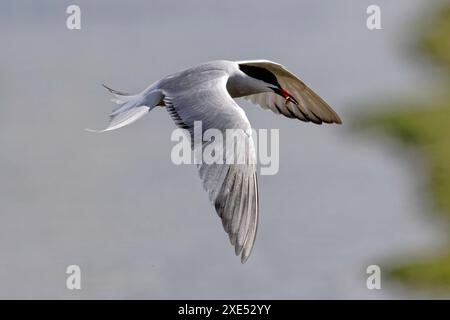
[(131, 107)]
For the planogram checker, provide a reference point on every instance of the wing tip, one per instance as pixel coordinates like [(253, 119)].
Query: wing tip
[(244, 258)]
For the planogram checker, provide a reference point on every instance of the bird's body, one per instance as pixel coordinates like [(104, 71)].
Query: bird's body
[(205, 93), (201, 75)]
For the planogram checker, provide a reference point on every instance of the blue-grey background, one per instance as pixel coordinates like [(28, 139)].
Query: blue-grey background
[(141, 227)]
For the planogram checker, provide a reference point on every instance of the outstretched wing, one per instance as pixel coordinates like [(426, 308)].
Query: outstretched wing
[(232, 187), (310, 106)]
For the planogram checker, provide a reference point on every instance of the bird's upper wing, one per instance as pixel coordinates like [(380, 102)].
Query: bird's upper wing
[(232, 188), (310, 106)]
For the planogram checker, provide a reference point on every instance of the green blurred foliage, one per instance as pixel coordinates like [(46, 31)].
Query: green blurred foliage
[(435, 40), (431, 272), (427, 127)]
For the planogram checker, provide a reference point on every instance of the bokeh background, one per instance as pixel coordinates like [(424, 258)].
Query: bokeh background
[(140, 227)]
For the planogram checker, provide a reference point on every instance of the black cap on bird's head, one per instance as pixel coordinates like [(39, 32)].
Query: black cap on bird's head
[(268, 77), (260, 73)]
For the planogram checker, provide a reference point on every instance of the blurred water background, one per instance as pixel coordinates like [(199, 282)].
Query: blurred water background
[(141, 227)]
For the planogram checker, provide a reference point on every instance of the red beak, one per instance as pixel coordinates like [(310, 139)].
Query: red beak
[(287, 96)]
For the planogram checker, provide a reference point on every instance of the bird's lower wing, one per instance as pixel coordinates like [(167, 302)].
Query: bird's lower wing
[(232, 187)]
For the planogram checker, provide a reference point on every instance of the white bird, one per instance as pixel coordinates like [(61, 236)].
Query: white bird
[(205, 93)]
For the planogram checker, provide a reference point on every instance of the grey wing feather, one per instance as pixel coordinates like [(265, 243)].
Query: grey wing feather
[(310, 106), (232, 187)]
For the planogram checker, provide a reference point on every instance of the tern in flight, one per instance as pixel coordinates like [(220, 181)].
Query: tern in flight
[(205, 93)]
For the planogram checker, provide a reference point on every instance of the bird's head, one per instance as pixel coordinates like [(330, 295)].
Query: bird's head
[(265, 80)]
